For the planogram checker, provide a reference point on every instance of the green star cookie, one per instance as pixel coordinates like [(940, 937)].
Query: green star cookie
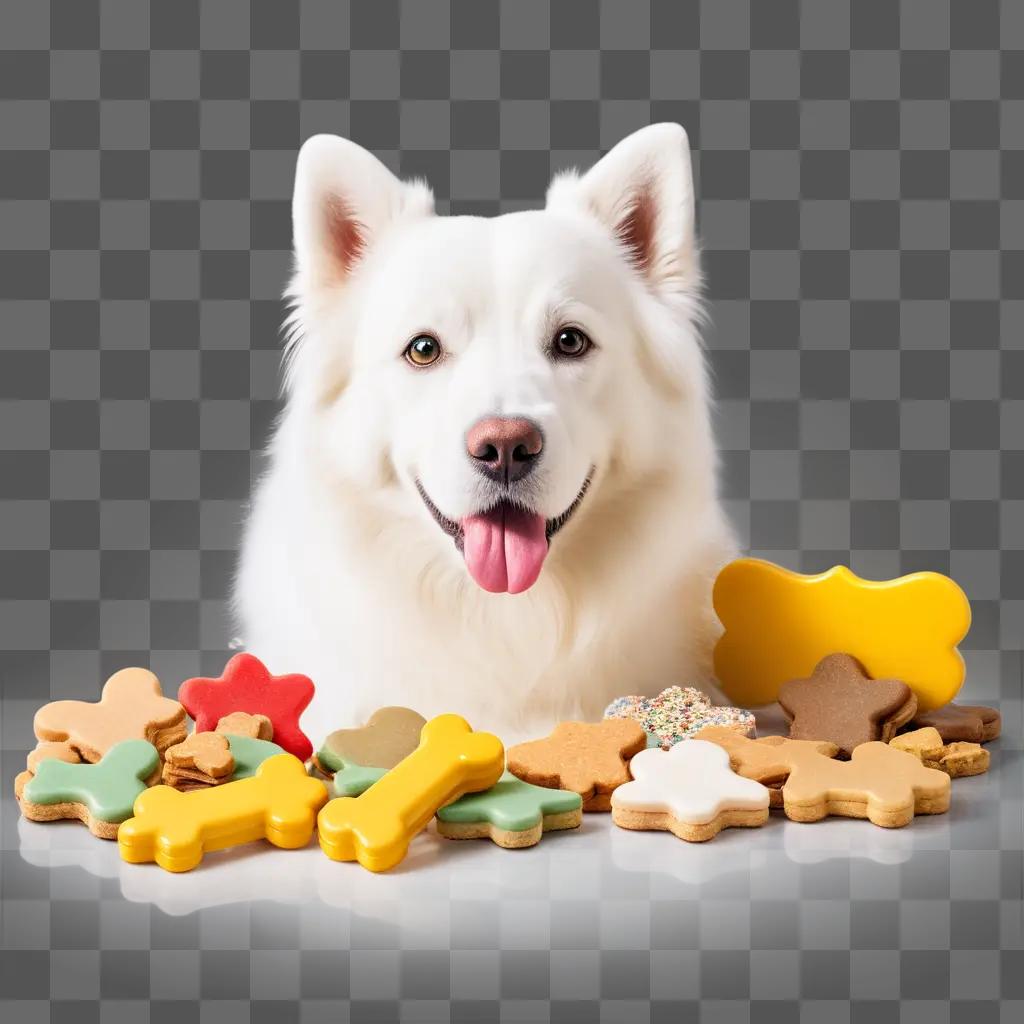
[(512, 813)]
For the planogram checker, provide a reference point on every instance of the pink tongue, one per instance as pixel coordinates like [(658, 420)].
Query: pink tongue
[(505, 548)]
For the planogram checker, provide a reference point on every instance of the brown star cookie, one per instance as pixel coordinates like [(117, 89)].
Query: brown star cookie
[(203, 758), (240, 723), (842, 704), (589, 758), (968, 722)]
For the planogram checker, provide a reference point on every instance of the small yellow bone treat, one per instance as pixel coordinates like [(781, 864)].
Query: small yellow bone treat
[(377, 827), (279, 804), (780, 624)]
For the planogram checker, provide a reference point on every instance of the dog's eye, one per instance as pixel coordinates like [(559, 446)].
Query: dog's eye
[(570, 343), (423, 350)]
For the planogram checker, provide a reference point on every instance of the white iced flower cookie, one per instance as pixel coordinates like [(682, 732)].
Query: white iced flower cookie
[(690, 791)]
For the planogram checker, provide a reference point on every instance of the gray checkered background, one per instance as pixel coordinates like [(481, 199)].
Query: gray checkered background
[(860, 178)]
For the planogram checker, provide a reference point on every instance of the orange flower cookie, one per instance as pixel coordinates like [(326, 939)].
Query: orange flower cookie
[(589, 758)]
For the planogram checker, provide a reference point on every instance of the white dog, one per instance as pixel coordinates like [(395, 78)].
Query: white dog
[(492, 490)]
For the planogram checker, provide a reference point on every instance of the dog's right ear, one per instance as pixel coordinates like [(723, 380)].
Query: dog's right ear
[(344, 200)]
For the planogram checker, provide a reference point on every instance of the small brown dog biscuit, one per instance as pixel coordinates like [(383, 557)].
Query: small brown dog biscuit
[(589, 758), (132, 706), (204, 757), (46, 750), (839, 702), (971, 723), (240, 723), (955, 759)]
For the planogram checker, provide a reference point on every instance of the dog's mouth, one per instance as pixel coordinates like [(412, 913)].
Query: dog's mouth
[(505, 545)]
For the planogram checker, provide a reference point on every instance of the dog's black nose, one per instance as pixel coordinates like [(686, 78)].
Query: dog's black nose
[(504, 449)]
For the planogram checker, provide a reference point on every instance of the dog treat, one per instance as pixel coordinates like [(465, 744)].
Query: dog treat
[(100, 795), (690, 791), (132, 706), (246, 685), (204, 758), (512, 813), (678, 713), (377, 827), (357, 758), (247, 753), (279, 804), (840, 703), (780, 624), (45, 751), (968, 722), (588, 758), (885, 785), (239, 723), (956, 759)]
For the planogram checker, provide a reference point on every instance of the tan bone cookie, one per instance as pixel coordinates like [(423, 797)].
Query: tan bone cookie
[(132, 706), (957, 760), (240, 723), (589, 758), (841, 703), (968, 722), (203, 758), (881, 783)]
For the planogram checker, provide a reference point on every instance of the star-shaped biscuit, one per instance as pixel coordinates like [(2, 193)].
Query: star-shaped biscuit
[(689, 790), (241, 723), (965, 722), (131, 707), (840, 703), (246, 685), (589, 758)]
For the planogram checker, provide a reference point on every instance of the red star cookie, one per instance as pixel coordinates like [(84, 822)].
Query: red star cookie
[(246, 685)]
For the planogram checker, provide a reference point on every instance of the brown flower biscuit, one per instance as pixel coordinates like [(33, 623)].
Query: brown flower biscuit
[(840, 703), (204, 758), (971, 723), (132, 706), (955, 759), (881, 783), (589, 758), (240, 723)]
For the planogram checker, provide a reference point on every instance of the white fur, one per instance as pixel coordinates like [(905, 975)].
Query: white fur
[(344, 574)]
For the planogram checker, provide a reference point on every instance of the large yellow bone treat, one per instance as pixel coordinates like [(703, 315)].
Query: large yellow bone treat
[(780, 624), (279, 804), (377, 827)]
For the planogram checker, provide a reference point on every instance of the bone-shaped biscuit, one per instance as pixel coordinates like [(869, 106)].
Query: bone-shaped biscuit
[(100, 795), (279, 804), (132, 706), (377, 827)]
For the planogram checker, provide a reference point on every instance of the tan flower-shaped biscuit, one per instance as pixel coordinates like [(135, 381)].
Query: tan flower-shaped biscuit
[(885, 785), (204, 757), (840, 703), (589, 758), (132, 706)]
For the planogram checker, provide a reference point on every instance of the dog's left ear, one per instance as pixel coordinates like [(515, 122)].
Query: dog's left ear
[(344, 200), (642, 192)]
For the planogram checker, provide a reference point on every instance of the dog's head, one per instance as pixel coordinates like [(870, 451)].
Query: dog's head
[(498, 372)]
